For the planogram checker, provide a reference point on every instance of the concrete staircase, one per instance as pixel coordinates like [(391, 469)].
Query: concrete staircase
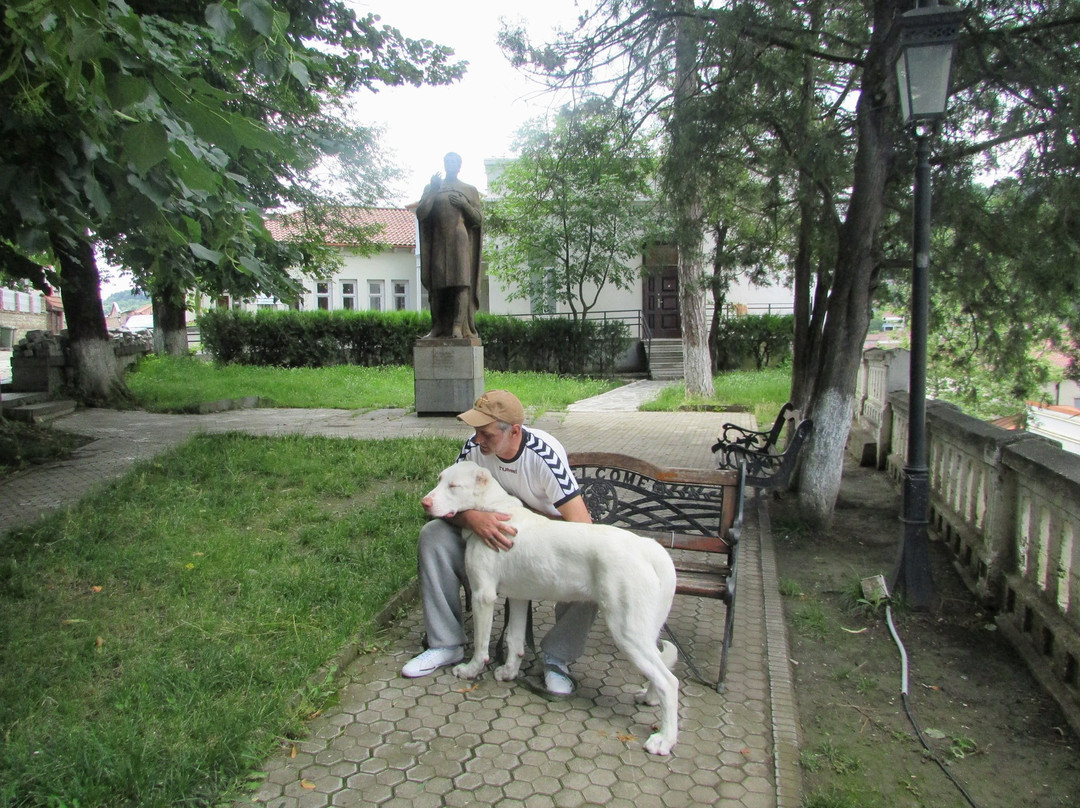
[(33, 408), (666, 360)]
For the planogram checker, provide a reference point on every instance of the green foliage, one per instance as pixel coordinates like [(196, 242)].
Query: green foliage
[(789, 588), (569, 216), (155, 636), (552, 345), (293, 339), (164, 133), (1001, 295), (811, 621), (126, 301), (763, 341), (181, 384)]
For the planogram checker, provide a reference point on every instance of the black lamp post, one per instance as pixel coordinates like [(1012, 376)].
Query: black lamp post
[(928, 37)]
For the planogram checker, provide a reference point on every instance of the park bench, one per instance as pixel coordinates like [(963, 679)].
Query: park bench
[(765, 468), (696, 513), (764, 441)]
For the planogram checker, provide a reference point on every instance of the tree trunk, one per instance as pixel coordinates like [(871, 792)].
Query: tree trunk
[(697, 364), (848, 317), (807, 329), (98, 380), (719, 285), (802, 367), (170, 321), (684, 183)]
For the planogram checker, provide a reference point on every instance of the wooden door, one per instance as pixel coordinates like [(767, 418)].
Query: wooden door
[(660, 288)]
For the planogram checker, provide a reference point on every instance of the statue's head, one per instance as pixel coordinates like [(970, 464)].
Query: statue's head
[(452, 163)]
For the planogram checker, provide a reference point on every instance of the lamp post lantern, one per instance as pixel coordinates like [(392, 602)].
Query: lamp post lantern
[(928, 37)]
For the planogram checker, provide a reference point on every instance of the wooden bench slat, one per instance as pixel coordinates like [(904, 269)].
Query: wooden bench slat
[(702, 587), (683, 565), (688, 541)]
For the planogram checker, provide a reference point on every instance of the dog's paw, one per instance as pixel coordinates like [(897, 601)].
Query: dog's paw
[(658, 744), (648, 696), (507, 672), (468, 670)]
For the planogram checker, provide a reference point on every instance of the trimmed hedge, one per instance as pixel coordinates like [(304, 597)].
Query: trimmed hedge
[(757, 341), (323, 338), (552, 345)]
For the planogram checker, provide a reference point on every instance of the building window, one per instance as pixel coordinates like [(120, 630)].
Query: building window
[(322, 295), (348, 295), (542, 299), (401, 295), (375, 295)]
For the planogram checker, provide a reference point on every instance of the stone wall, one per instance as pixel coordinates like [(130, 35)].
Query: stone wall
[(1007, 505), (40, 361)]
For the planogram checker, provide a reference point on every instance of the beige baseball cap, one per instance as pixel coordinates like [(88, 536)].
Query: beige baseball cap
[(494, 405)]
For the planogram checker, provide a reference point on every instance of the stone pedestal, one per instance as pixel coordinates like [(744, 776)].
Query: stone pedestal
[(448, 375)]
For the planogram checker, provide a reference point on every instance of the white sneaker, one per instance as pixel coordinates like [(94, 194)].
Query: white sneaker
[(431, 660), (557, 678)]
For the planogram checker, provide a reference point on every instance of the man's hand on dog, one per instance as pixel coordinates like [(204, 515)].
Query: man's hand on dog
[(493, 528)]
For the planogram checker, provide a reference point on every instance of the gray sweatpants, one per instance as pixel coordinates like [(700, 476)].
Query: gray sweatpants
[(441, 564)]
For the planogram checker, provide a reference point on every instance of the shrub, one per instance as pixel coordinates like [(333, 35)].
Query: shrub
[(759, 341), (292, 339)]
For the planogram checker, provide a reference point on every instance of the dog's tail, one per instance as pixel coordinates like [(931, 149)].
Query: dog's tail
[(669, 654)]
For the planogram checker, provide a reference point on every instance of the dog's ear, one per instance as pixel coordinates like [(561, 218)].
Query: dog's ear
[(483, 477)]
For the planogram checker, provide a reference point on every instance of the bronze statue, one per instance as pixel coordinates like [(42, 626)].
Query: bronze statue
[(450, 234)]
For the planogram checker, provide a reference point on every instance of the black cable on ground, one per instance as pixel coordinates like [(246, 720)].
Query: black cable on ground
[(911, 717), (689, 659)]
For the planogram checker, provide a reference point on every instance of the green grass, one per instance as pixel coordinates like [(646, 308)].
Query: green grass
[(789, 588), (155, 637), (168, 384), (761, 392), (811, 621)]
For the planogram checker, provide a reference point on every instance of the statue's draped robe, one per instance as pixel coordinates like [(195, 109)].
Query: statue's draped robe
[(450, 247)]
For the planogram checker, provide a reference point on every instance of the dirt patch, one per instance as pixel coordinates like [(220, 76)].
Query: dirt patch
[(25, 445), (994, 737)]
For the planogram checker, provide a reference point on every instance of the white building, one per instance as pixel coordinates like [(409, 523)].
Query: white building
[(1058, 423), (386, 281), (390, 281)]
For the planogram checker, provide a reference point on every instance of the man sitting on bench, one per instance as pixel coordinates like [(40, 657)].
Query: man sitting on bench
[(531, 465)]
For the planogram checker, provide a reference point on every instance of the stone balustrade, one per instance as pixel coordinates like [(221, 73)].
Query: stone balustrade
[(1007, 505)]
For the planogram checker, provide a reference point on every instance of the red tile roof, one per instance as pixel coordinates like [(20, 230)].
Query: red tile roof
[(398, 225)]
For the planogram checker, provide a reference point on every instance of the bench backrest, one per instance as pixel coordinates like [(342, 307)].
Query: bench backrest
[(774, 471), (635, 494), (787, 413)]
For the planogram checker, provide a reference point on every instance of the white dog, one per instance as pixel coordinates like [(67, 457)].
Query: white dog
[(632, 578)]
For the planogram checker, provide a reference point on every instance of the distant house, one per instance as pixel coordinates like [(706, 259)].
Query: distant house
[(1061, 424), (28, 311), (386, 281), (1062, 392)]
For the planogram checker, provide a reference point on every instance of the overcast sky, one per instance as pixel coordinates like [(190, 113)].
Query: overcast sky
[(476, 117)]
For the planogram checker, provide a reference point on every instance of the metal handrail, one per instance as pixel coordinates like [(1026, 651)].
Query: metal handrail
[(635, 318)]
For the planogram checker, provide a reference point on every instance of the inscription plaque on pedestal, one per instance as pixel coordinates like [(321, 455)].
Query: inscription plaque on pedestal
[(448, 375)]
